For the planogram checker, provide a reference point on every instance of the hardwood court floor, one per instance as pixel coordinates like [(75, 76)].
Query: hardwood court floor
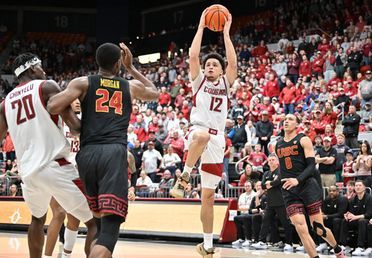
[(15, 245)]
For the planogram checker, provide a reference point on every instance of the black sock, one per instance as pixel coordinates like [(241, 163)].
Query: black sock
[(316, 256), (337, 249)]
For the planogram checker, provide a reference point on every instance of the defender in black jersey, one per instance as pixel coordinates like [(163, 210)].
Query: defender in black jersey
[(102, 160), (301, 191)]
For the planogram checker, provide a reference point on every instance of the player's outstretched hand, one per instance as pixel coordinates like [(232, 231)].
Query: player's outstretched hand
[(126, 56), (227, 26), (202, 19), (289, 183)]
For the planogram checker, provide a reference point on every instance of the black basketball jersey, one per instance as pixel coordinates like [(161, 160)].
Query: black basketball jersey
[(106, 111), (291, 157)]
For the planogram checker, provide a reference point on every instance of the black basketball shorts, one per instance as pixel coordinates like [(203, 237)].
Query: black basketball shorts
[(304, 197), (103, 171)]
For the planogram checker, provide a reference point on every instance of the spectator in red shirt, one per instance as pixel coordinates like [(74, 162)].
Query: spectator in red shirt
[(309, 131), (268, 107), (133, 115), (257, 159), (8, 147), (351, 89), (272, 87), (246, 175), (186, 110), (318, 125), (305, 67), (260, 50), (154, 124), (288, 97), (329, 116), (140, 129), (164, 97), (293, 68), (317, 65), (323, 47), (176, 142), (178, 102), (328, 131)]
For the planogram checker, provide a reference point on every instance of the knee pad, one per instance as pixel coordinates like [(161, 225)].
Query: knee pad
[(316, 226), (109, 231)]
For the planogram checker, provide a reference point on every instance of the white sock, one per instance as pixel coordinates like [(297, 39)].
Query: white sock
[(208, 240), (47, 256), (70, 239), (187, 169)]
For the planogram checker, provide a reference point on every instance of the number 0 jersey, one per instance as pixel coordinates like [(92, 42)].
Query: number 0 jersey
[(105, 110), (210, 102), (38, 138), (291, 156)]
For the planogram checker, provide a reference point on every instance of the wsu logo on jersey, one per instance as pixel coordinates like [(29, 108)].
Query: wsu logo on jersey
[(214, 91)]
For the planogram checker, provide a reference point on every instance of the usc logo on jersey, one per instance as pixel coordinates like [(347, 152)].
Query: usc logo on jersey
[(288, 151)]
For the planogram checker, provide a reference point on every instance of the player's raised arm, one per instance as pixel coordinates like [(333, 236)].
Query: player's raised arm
[(140, 88), (50, 90), (75, 89), (232, 68), (194, 50), (310, 159)]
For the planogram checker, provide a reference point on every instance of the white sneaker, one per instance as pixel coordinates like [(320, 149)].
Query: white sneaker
[(288, 248), (367, 252), (246, 243), (238, 242), (320, 248), (300, 248), (260, 245), (358, 251)]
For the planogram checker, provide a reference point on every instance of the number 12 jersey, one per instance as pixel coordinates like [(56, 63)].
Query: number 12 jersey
[(210, 102)]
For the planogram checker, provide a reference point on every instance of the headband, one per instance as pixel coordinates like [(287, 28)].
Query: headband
[(27, 65)]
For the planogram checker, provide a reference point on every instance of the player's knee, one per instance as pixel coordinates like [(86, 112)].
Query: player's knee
[(319, 229), (201, 137), (108, 236), (59, 214), (301, 228)]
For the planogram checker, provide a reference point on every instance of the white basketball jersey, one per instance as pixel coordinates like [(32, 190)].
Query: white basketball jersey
[(210, 102), (37, 137), (74, 142)]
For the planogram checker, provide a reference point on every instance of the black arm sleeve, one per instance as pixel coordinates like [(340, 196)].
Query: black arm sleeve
[(309, 170)]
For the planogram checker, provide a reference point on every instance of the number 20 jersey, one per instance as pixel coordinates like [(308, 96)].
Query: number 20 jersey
[(210, 102), (38, 138)]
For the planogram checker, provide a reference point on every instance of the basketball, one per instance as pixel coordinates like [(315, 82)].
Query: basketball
[(216, 17)]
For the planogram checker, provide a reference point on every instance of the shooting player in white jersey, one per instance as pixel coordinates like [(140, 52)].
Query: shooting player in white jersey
[(208, 116)]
